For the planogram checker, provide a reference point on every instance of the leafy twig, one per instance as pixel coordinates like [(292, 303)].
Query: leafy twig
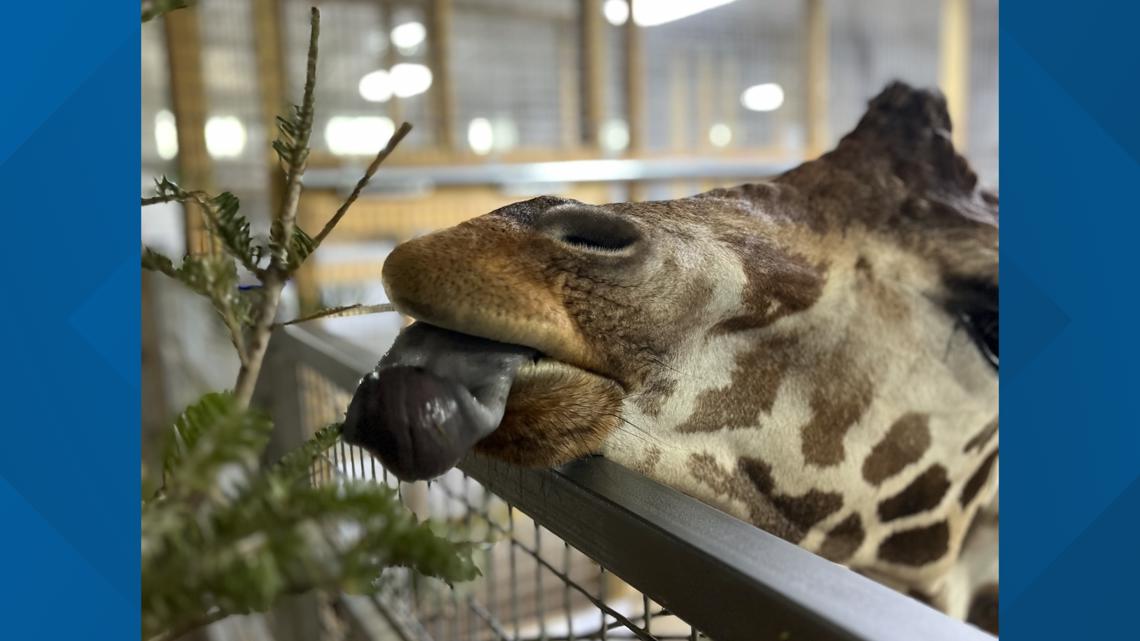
[(296, 146)]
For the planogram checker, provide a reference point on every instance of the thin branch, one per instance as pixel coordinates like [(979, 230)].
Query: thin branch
[(346, 310), (360, 184), (282, 229), (154, 200)]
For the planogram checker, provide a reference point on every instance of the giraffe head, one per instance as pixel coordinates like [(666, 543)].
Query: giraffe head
[(763, 347)]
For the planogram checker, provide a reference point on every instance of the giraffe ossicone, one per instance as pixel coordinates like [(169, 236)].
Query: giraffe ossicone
[(815, 353)]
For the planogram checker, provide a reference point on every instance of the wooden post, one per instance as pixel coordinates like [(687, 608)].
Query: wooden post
[(635, 95), (954, 64), (816, 80), (271, 81), (439, 54), (188, 101), (592, 44), (569, 93)]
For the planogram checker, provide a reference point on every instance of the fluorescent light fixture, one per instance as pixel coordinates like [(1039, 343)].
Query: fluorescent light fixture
[(358, 135), (165, 135), (225, 136), (376, 86), (764, 97), (480, 136), (408, 35), (650, 13), (616, 12), (410, 79), (720, 135), (615, 134)]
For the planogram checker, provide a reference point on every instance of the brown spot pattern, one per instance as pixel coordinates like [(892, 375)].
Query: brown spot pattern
[(803, 511), (843, 539), (837, 403), (656, 391), (924, 493), (761, 511), (756, 379), (979, 440), (905, 443), (977, 479), (917, 546), (777, 283), (652, 457), (983, 610)]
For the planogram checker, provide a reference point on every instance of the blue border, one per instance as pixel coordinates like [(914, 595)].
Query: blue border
[(69, 167), (69, 457), (1070, 167)]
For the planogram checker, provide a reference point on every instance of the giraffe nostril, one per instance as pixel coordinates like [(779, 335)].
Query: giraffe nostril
[(590, 229)]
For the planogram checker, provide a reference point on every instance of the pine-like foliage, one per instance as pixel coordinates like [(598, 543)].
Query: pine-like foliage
[(224, 536)]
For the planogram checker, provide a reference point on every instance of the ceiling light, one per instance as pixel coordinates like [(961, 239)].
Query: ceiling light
[(410, 79), (225, 136), (408, 35), (358, 135), (764, 97), (720, 135), (480, 136), (616, 12), (376, 86), (165, 135)]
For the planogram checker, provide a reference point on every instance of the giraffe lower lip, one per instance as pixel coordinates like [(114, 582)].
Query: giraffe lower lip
[(431, 398)]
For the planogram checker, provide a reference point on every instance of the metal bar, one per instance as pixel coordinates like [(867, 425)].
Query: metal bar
[(771, 587), (403, 179)]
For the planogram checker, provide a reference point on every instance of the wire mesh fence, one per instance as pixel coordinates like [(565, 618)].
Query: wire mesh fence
[(534, 585)]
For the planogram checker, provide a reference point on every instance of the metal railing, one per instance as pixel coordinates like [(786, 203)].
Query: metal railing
[(590, 550)]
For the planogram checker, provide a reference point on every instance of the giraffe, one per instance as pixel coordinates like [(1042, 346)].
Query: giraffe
[(815, 354)]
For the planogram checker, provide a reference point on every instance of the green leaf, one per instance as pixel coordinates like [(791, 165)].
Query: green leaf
[(222, 218), (211, 275), (214, 432), (300, 248), (295, 465)]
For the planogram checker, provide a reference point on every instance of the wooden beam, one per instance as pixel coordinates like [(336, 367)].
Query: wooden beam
[(439, 54), (188, 101), (954, 65), (816, 78), (592, 46)]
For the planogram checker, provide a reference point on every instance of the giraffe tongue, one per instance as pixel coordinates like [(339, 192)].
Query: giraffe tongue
[(432, 397)]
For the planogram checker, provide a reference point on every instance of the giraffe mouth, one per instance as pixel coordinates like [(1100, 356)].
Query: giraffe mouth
[(433, 396)]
